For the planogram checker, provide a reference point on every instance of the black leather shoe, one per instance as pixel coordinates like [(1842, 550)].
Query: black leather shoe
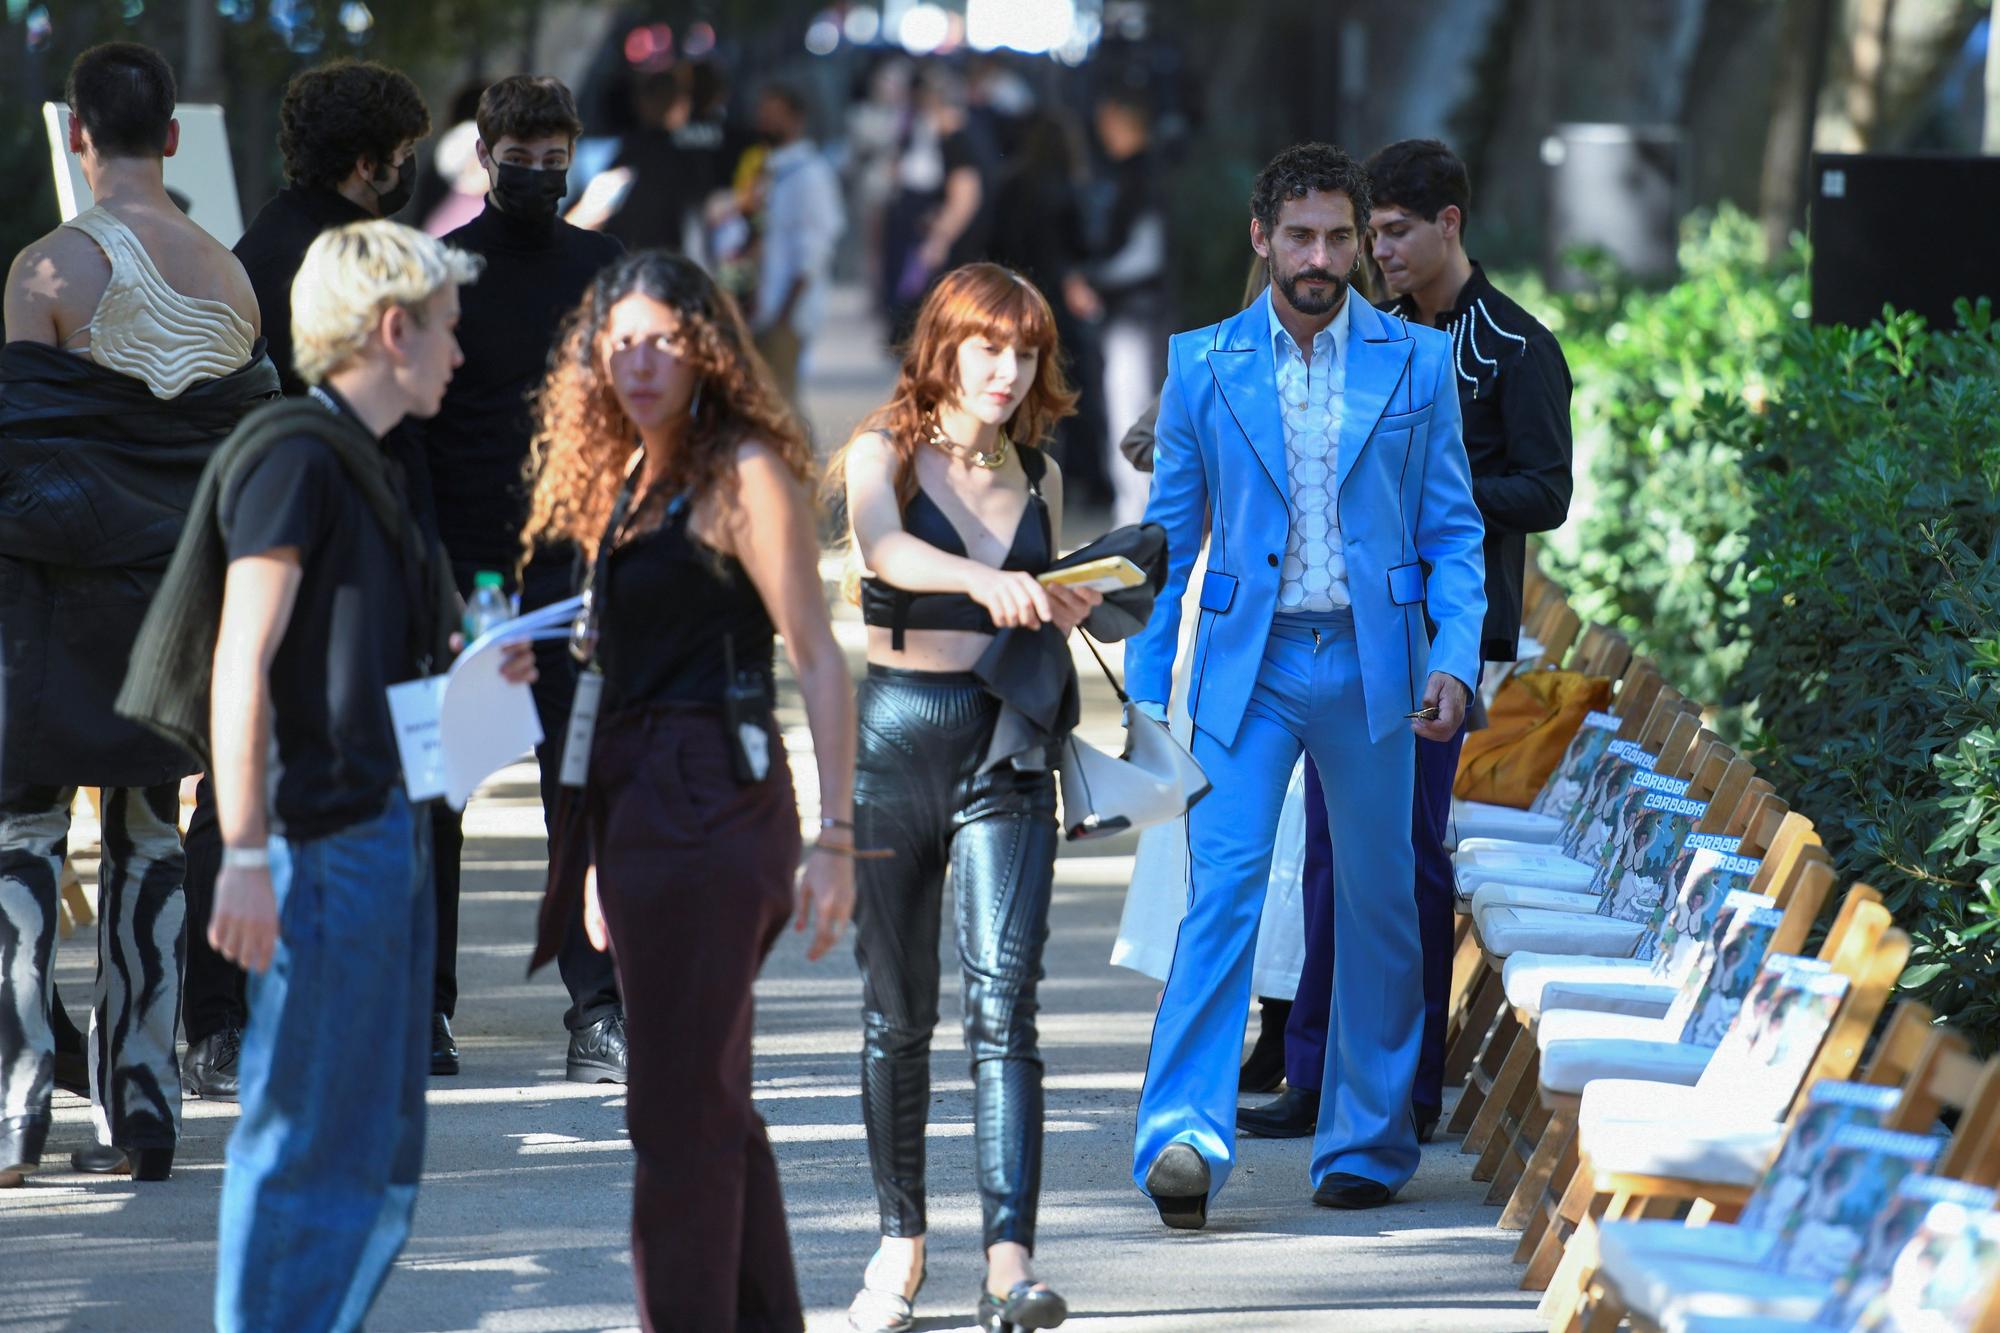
[(1340, 1190), (597, 1053), (209, 1072), (444, 1050), (1178, 1181), (1264, 1069), (1030, 1305), (138, 1163), (21, 1141), (1427, 1122), (1292, 1114)]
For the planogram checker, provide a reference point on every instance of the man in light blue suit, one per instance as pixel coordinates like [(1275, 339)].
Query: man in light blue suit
[(1317, 439)]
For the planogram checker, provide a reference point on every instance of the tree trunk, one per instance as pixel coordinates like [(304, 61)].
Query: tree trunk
[(1803, 31), (201, 66), (1889, 69)]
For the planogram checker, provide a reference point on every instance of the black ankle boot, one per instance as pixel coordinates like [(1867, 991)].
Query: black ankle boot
[(138, 1163)]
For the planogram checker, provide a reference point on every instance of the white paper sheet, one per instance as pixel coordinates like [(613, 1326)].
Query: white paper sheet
[(457, 729)]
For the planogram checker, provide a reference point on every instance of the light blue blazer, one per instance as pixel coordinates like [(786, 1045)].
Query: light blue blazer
[(1405, 501)]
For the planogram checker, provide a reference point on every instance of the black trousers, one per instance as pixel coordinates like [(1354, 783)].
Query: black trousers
[(695, 871), (212, 993), (587, 974), (918, 793)]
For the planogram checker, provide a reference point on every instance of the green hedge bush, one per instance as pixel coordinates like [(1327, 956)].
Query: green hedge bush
[(1803, 526), (1871, 640), (1654, 541)]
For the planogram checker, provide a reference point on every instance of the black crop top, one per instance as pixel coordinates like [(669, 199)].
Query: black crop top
[(669, 601), (1032, 551)]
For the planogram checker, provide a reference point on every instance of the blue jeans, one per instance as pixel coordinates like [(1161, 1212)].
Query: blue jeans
[(1308, 696), (323, 1166)]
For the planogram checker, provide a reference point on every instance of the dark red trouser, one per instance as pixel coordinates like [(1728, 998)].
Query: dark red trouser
[(695, 873)]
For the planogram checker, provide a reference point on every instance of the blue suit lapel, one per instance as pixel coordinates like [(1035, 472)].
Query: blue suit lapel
[(1246, 375), (1378, 349)]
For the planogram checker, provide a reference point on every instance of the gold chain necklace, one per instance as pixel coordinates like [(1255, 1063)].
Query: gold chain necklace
[(991, 461)]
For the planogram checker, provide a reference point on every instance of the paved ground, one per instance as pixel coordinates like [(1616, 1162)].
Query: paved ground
[(522, 1221)]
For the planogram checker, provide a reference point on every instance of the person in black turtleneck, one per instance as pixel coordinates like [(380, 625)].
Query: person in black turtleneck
[(348, 131), (537, 267)]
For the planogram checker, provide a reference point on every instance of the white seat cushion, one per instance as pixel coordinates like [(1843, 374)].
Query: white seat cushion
[(1666, 1271), (1641, 1128), (1477, 819), (1571, 1066), (1527, 973), (1559, 1025), (1476, 847), (1510, 930), (1637, 999), (1535, 859), (1722, 1323), (1531, 895), (1549, 872)]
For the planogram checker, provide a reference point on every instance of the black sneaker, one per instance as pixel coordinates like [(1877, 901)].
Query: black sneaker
[(209, 1071), (597, 1053), (444, 1050)]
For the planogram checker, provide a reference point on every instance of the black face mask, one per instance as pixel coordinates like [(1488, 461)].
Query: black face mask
[(397, 197), (529, 193)]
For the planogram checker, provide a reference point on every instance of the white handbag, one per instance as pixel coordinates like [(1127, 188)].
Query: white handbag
[(1153, 780)]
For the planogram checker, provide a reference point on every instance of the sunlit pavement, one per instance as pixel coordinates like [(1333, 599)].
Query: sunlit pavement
[(522, 1221)]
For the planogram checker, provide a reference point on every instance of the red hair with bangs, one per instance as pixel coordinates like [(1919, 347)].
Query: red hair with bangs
[(975, 301)]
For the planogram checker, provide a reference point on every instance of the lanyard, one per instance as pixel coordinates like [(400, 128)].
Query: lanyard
[(584, 631)]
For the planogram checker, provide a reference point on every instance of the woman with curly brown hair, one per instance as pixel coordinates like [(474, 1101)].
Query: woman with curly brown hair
[(665, 454), (955, 509)]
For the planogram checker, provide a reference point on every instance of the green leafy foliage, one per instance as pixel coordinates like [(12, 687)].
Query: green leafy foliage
[(1803, 526), (1655, 539), (1871, 639)]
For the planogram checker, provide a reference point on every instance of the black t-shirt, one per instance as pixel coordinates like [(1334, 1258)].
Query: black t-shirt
[(348, 639), (964, 148)]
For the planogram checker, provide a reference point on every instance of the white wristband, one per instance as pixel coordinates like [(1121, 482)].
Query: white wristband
[(246, 858)]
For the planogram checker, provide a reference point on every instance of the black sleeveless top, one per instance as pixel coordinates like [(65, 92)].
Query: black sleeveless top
[(1032, 551), (669, 603)]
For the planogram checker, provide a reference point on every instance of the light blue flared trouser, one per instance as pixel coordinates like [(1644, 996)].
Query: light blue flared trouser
[(1308, 695)]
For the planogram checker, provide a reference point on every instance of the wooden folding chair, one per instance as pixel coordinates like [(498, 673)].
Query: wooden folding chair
[(1906, 1055), (1724, 781), (1669, 733), (1864, 947), (1559, 634), (1796, 874), (1602, 651), (1946, 1076)]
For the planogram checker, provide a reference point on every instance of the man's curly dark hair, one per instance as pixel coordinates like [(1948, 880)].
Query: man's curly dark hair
[(339, 113), (1302, 169)]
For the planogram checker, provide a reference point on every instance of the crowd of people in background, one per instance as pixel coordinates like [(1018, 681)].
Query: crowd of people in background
[(585, 380)]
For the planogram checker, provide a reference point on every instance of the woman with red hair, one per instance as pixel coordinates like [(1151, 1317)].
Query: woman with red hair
[(954, 510)]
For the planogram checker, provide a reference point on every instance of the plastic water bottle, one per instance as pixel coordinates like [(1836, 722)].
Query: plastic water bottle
[(488, 606)]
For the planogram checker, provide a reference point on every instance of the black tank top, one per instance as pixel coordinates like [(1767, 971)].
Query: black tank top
[(669, 602), (1032, 551)]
